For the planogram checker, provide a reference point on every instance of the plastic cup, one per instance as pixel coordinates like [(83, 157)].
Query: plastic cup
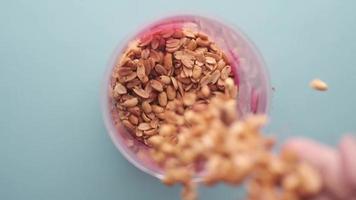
[(250, 71)]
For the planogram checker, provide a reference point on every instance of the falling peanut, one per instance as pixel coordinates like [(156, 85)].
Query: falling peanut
[(318, 84)]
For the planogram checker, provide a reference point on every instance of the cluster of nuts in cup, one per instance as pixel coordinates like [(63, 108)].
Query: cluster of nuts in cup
[(174, 91), (163, 70)]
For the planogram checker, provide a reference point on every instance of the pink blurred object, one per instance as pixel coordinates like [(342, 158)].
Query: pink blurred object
[(250, 71), (336, 166)]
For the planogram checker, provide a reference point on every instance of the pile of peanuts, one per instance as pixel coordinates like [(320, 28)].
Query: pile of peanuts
[(161, 70)]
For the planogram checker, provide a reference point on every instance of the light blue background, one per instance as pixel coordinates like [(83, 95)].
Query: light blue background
[(53, 144)]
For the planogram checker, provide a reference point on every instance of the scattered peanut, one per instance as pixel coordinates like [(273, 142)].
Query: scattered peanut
[(318, 84)]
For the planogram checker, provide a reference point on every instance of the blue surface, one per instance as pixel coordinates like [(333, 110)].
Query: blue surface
[(53, 144)]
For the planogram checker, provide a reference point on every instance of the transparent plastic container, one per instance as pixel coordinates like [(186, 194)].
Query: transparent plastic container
[(248, 66)]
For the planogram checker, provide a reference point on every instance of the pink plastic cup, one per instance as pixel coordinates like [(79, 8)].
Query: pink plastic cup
[(250, 71)]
